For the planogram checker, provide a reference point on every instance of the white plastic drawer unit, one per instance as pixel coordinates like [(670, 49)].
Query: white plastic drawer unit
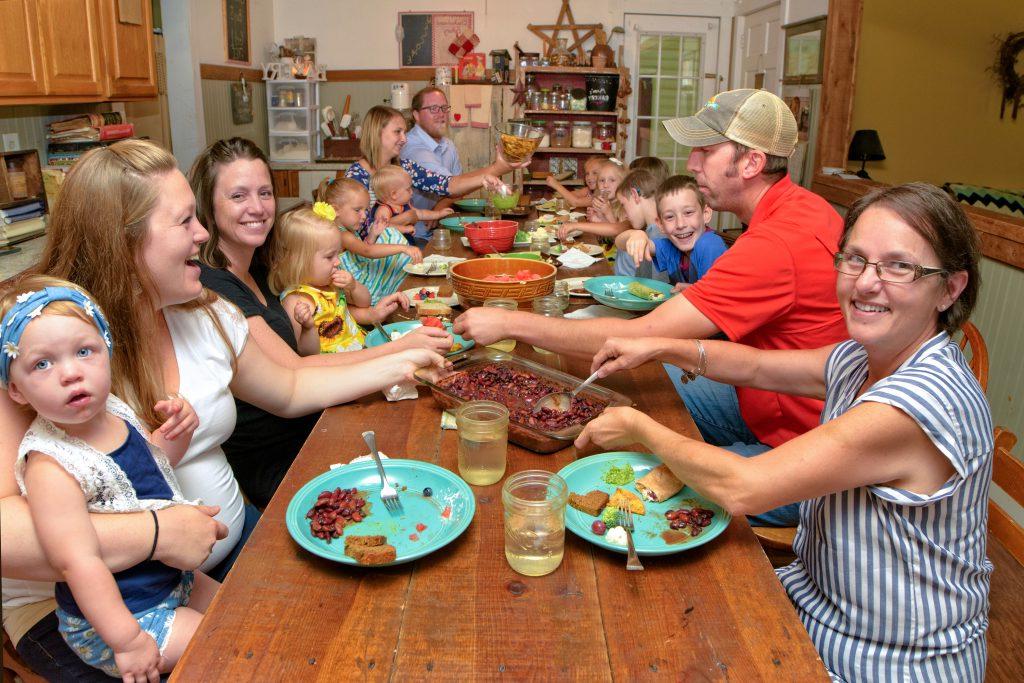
[(292, 146), (291, 120)]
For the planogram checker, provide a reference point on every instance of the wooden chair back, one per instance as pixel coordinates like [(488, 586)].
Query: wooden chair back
[(973, 345), (14, 666), (1008, 473)]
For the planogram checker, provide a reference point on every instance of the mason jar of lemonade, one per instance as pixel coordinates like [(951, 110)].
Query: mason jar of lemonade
[(483, 441), (505, 345)]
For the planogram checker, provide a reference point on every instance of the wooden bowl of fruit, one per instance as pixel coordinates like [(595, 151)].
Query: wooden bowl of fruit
[(480, 279)]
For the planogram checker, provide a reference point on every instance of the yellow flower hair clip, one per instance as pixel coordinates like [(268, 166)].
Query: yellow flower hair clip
[(325, 210)]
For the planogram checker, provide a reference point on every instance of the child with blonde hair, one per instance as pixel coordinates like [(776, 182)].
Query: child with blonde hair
[(688, 249), (87, 451), (583, 197), (324, 302), (393, 189), (378, 266), (604, 217)]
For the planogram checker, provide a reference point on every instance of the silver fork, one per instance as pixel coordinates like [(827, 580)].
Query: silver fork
[(388, 493), (626, 519)]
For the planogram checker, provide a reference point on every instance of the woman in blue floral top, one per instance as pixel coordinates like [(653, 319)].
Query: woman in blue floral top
[(382, 139)]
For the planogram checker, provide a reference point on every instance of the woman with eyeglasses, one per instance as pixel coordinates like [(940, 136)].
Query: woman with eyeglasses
[(891, 577), (383, 137)]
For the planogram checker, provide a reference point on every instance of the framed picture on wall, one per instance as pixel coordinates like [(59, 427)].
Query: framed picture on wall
[(236, 31), (804, 56), (424, 37)]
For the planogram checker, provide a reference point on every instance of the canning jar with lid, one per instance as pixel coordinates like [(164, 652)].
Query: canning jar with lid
[(582, 134), (560, 136)]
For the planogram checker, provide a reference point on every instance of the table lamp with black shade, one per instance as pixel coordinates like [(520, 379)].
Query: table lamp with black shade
[(865, 146)]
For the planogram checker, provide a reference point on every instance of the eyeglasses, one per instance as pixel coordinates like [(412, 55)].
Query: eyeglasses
[(888, 271), (437, 109)]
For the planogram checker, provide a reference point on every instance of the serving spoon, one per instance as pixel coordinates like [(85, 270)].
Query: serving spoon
[(562, 400)]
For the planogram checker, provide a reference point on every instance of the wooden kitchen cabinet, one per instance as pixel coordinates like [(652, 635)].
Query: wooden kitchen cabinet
[(131, 69), (57, 51), (72, 59), (21, 61)]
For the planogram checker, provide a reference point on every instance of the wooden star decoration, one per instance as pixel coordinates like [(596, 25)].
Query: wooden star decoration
[(565, 22)]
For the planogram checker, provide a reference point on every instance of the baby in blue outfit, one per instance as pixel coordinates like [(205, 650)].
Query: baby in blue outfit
[(87, 451)]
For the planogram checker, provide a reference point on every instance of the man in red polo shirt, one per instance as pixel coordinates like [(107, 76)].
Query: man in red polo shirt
[(773, 289)]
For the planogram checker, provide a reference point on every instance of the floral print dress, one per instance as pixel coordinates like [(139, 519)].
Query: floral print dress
[(384, 276)]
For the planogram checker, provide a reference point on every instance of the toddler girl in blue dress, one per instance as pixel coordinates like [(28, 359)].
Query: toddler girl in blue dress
[(86, 451)]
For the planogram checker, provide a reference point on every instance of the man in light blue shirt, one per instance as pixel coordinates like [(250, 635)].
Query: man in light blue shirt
[(428, 147)]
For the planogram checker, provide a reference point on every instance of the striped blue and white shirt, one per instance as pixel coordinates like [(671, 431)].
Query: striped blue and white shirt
[(893, 585)]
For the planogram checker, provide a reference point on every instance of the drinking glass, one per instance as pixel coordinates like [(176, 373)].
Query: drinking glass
[(483, 441), (505, 345), (549, 307), (534, 504), (441, 240)]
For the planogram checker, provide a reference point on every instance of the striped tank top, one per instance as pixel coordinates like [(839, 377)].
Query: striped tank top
[(893, 585)]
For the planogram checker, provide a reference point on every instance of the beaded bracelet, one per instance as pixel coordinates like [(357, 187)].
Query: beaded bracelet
[(702, 364)]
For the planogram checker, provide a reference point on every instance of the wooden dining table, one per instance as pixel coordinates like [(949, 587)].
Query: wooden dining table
[(713, 612)]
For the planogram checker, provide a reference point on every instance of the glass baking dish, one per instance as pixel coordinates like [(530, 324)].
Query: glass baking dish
[(527, 436)]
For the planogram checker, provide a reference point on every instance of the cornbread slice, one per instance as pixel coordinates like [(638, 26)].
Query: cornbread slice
[(370, 549), (590, 503), (624, 498), (364, 541), (434, 308)]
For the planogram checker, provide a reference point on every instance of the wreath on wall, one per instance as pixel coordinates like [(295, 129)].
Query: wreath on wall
[(1010, 79)]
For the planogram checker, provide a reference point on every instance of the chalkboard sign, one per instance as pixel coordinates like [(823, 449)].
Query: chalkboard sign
[(236, 30), (424, 37)]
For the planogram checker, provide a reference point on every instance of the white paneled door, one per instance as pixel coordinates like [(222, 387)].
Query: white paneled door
[(759, 50), (673, 62)]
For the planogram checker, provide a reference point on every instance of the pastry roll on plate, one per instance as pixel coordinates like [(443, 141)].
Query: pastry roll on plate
[(659, 484)]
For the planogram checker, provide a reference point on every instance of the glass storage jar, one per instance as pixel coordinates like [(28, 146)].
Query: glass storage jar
[(542, 123), (582, 134), (560, 55), (560, 136), (564, 101), (546, 100), (604, 132), (578, 99)]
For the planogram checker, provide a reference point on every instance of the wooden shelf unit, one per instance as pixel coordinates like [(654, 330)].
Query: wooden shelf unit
[(574, 77)]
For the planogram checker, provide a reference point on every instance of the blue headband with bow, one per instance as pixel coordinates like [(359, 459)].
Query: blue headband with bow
[(27, 307)]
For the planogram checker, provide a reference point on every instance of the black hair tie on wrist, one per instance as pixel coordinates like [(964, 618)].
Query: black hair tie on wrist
[(156, 535)]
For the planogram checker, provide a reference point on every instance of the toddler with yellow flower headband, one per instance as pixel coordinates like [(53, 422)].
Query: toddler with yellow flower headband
[(87, 451), (324, 302)]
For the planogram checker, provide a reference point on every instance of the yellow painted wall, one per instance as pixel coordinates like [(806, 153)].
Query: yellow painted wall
[(922, 83)]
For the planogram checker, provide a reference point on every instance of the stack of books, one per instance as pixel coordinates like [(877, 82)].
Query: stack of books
[(71, 138), (22, 222)]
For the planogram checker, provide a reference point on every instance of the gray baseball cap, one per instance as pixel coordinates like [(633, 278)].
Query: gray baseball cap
[(755, 118)]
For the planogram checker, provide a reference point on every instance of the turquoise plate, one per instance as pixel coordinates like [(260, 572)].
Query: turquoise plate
[(584, 475), (610, 290), (458, 223), (471, 204), (373, 338), (410, 477)]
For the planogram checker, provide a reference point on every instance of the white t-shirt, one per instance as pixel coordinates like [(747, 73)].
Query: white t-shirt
[(205, 367)]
